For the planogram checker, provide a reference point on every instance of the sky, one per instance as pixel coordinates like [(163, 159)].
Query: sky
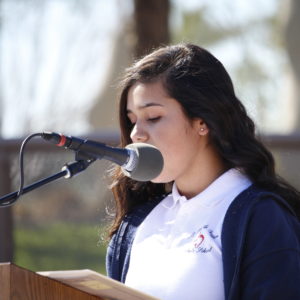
[(49, 68)]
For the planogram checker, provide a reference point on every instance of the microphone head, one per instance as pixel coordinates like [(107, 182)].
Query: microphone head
[(149, 162)]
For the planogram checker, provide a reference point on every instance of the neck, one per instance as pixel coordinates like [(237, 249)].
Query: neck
[(206, 169)]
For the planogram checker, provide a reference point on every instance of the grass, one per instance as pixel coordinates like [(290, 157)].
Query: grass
[(60, 247)]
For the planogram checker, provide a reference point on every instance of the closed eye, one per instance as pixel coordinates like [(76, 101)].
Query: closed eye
[(153, 120)]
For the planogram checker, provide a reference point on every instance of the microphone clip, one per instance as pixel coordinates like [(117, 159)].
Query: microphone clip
[(76, 167)]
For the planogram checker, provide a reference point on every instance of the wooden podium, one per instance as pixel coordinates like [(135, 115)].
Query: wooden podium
[(17, 283)]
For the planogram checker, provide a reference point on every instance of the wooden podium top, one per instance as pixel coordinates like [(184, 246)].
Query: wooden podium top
[(21, 284)]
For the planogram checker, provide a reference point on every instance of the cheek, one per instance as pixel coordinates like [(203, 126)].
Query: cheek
[(177, 157), (177, 141), (174, 162), (171, 156)]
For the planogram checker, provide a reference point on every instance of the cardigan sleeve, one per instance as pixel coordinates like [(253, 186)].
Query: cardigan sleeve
[(270, 268), (109, 256)]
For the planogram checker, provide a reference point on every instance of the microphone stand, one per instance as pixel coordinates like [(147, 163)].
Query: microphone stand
[(68, 171)]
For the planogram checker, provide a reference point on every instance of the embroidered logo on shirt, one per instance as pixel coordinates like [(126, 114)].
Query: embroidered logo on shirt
[(201, 240)]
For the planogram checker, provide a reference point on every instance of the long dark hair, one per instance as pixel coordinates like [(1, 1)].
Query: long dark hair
[(200, 83)]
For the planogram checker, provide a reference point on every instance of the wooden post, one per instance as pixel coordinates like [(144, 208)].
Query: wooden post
[(6, 216), (292, 38), (151, 24)]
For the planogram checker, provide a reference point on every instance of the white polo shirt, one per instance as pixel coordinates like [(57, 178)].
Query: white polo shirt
[(177, 251)]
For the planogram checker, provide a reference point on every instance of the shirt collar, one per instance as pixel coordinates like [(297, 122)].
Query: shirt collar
[(217, 191), (176, 195)]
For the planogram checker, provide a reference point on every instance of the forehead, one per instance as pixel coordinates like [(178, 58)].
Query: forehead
[(142, 95)]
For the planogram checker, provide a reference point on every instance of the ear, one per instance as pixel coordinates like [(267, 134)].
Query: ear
[(201, 127)]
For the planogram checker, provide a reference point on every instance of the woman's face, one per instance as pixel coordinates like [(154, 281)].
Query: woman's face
[(160, 121)]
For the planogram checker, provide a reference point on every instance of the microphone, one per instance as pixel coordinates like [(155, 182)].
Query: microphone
[(139, 161)]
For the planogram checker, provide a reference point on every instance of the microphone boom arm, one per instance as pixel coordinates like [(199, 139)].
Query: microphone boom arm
[(68, 171)]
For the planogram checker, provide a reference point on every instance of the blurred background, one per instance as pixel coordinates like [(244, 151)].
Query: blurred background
[(60, 62)]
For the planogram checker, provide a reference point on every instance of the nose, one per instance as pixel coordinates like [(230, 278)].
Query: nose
[(139, 134)]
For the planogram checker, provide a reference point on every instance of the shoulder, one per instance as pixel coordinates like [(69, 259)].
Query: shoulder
[(258, 209), (260, 222), (258, 225), (137, 215), (258, 217), (258, 201), (132, 220)]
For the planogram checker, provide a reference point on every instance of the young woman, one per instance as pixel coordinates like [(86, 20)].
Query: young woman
[(217, 223)]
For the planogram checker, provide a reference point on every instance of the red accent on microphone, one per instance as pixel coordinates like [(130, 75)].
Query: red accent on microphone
[(62, 141)]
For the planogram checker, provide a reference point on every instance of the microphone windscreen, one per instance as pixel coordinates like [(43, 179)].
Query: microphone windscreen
[(150, 162)]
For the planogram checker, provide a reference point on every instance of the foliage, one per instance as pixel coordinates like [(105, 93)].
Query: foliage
[(60, 247)]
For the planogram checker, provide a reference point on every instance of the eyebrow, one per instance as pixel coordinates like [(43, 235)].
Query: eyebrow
[(150, 104)]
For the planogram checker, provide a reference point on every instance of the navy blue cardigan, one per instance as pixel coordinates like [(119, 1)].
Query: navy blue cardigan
[(260, 247)]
